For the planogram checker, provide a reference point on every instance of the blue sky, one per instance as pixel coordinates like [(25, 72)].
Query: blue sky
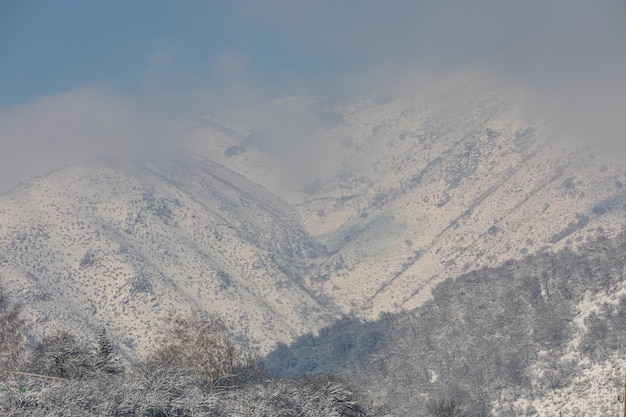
[(137, 47), (52, 47), (283, 47), (77, 74)]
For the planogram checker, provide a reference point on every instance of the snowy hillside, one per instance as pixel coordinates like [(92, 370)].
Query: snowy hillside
[(407, 192), (287, 215), (121, 245)]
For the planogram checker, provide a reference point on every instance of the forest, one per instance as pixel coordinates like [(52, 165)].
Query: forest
[(485, 339), (470, 351)]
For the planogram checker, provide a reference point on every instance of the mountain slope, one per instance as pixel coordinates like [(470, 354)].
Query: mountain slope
[(289, 214), (120, 245), (540, 336), (405, 193)]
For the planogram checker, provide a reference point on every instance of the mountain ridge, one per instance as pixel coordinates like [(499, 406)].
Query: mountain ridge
[(327, 208), (486, 164), (137, 233)]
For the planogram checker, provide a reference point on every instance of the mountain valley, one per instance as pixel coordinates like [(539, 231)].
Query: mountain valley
[(289, 215), (365, 219)]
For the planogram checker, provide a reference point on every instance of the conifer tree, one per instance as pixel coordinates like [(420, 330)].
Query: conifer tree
[(105, 348), (105, 360)]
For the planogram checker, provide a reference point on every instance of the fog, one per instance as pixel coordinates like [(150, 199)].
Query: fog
[(565, 59), (76, 126)]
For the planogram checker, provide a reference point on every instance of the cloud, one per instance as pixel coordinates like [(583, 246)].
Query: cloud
[(568, 57), (71, 127), (225, 82), (530, 38)]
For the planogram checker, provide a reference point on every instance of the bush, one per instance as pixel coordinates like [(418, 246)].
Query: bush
[(310, 397), (445, 408)]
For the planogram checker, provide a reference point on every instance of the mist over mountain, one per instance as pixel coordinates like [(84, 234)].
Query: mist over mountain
[(290, 214), (427, 198), (408, 192)]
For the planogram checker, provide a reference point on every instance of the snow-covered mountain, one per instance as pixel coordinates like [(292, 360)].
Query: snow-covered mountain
[(121, 245), (287, 215), (407, 192)]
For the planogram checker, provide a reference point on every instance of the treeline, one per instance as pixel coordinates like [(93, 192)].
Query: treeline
[(196, 371), (475, 343)]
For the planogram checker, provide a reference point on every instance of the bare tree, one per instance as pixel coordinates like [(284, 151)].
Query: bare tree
[(204, 346), (12, 333)]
